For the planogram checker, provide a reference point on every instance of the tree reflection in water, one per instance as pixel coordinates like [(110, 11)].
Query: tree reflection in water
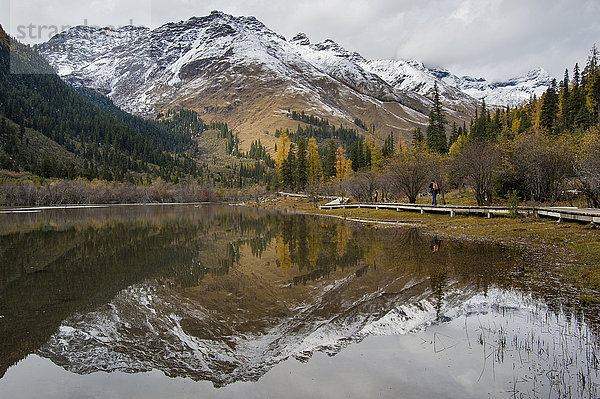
[(223, 294)]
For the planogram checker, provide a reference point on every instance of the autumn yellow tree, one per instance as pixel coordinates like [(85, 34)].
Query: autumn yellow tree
[(284, 257), (283, 148), (458, 145), (343, 165)]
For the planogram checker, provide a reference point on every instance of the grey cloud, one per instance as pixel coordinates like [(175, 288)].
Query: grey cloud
[(496, 39)]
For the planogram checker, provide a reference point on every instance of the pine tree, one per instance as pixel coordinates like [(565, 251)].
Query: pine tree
[(417, 136), (288, 169), (566, 104), (329, 164), (436, 131), (576, 75), (593, 97), (454, 135), (388, 147), (301, 165), (549, 109), (591, 85), (480, 128)]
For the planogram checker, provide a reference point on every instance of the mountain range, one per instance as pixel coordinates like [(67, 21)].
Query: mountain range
[(235, 69)]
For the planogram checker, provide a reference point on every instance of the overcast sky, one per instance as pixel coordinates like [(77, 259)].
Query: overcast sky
[(495, 39)]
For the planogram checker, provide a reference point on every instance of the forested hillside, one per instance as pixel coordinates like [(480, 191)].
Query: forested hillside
[(96, 139)]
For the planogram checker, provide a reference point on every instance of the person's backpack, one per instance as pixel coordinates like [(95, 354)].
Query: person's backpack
[(436, 189)]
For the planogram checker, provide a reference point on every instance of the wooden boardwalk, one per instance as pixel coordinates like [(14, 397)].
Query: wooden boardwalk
[(560, 213)]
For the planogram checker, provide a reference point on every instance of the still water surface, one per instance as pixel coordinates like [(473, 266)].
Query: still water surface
[(218, 301)]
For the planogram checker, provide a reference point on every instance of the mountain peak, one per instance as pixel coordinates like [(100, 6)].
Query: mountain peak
[(218, 62), (330, 45), (539, 73), (301, 39), (221, 24)]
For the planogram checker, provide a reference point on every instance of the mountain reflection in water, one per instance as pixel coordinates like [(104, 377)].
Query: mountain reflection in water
[(223, 294)]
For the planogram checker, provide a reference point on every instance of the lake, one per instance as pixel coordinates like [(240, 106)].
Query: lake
[(219, 301)]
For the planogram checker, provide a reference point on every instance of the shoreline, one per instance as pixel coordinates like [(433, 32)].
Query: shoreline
[(569, 250)]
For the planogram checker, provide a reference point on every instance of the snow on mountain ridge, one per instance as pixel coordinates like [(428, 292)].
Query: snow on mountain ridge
[(413, 76), (130, 71), (512, 92), (336, 61), (237, 69), (77, 47)]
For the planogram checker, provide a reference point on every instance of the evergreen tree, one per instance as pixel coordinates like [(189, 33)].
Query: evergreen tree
[(479, 125), (418, 136), (549, 109), (592, 85), (357, 154), (315, 167), (456, 131), (576, 75), (436, 131), (566, 104), (329, 164), (301, 165), (388, 147), (288, 169)]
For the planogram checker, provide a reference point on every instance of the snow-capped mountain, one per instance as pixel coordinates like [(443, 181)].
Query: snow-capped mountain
[(512, 92), (228, 68), (331, 58), (81, 45), (413, 77), (238, 70)]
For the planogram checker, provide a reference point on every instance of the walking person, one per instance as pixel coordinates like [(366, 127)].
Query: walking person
[(434, 189)]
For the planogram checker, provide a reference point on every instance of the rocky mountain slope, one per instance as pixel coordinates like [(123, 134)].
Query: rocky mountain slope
[(233, 69), (236, 69)]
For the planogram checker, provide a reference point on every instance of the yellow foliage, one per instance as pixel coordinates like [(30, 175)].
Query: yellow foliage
[(458, 145), (283, 148), (343, 237), (283, 255), (516, 125), (343, 166)]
